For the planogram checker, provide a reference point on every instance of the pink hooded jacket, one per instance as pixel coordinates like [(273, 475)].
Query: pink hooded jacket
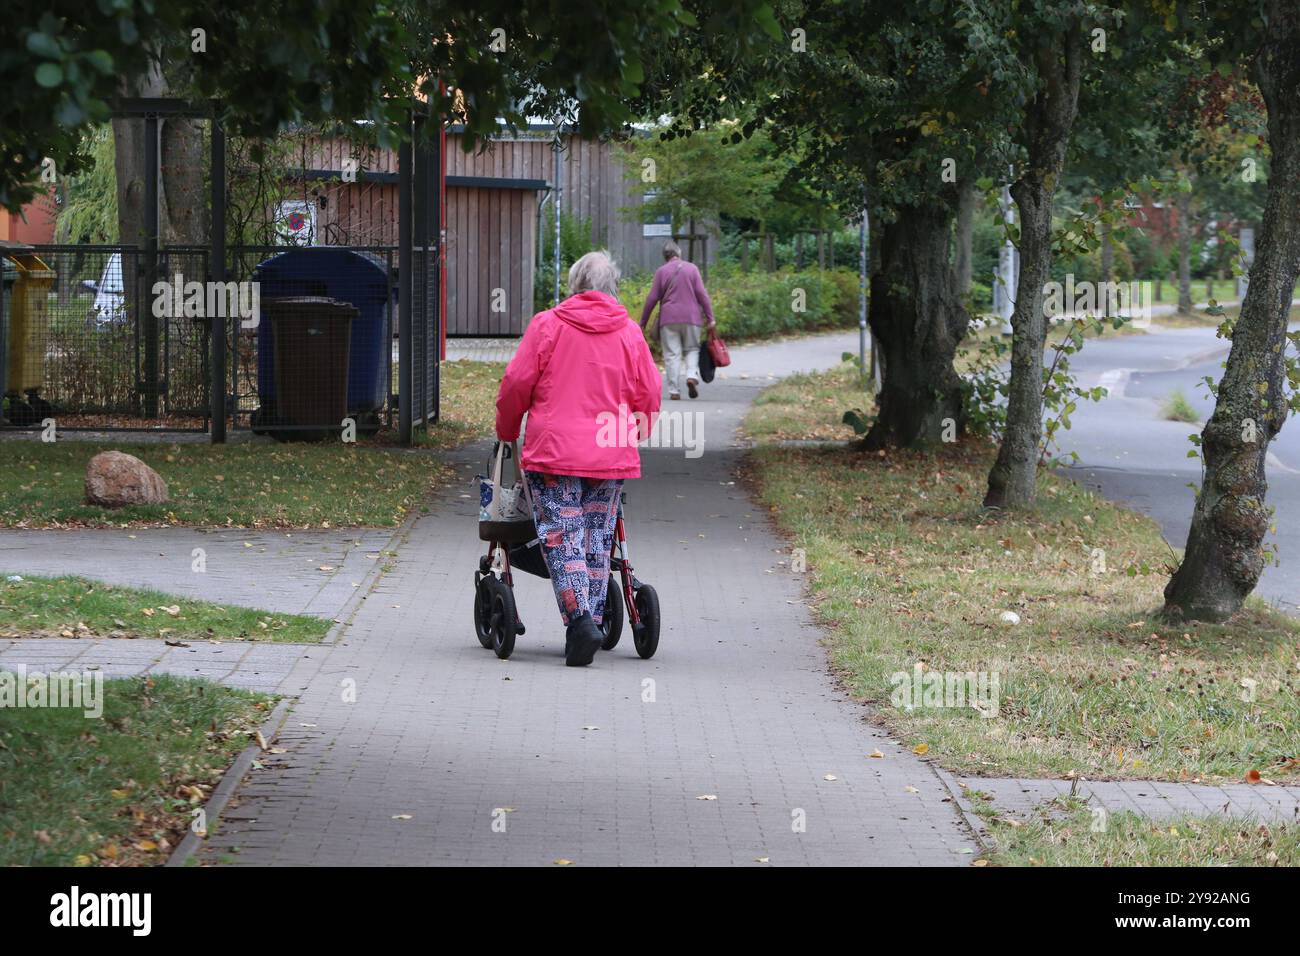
[(585, 376)]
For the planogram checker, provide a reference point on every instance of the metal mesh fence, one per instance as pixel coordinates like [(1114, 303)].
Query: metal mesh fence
[(90, 344), (100, 338), (425, 338)]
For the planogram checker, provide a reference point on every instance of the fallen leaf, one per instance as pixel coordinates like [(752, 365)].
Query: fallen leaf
[(707, 796), (877, 754), (562, 862), (401, 816), (921, 749), (830, 776)]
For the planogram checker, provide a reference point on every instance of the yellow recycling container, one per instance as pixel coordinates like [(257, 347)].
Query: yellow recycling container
[(29, 324)]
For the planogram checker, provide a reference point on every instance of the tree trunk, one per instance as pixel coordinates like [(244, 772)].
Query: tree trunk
[(184, 199), (128, 157), (917, 321), (1107, 265), (1013, 480), (1224, 556), (1184, 253), (962, 260)]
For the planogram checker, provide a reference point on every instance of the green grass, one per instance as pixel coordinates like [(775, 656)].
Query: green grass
[(119, 790), (247, 486), (807, 407), (905, 567), (1222, 290), (1069, 834), (76, 607), (1177, 408), (468, 410)]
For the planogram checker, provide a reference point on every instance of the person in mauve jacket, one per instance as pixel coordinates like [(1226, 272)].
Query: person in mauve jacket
[(587, 380), (684, 307)]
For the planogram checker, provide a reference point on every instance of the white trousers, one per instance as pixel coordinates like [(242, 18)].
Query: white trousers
[(681, 344)]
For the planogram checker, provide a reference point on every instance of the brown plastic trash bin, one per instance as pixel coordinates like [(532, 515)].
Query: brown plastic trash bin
[(313, 336)]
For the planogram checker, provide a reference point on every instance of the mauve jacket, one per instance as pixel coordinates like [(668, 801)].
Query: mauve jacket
[(681, 295), (582, 373)]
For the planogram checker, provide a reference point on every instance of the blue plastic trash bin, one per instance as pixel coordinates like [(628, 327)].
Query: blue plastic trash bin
[(360, 278)]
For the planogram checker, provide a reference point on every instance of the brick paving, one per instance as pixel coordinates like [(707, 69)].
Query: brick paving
[(607, 764), (1147, 798), (274, 570), (259, 666)]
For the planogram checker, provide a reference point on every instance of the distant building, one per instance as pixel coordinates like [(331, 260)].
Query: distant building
[(495, 200), (34, 225)]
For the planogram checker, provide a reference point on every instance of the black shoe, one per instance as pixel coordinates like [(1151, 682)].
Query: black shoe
[(691, 390), (582, 641)]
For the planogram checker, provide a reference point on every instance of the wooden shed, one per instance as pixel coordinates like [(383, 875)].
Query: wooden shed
[(495, 197)]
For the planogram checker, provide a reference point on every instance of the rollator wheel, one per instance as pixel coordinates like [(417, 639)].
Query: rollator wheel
[(646, 637), (483, 609), (612, 623), (501, 618)]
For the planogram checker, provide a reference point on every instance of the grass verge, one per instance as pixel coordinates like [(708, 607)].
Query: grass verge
[(252, 485), (469, 397), (1067, 833), (908, 571), (1177, 408), (76, 607), (118, 790)]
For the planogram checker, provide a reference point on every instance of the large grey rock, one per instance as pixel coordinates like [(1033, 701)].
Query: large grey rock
[(115, 479)]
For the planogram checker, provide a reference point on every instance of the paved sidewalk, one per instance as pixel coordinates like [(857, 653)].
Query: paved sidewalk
[(714, 752), (1148, 798), (273, 570), (276, 571), (260, 666)]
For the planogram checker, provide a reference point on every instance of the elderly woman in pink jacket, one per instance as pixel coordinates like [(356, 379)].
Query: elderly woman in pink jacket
[(590, 386), (684, 306)]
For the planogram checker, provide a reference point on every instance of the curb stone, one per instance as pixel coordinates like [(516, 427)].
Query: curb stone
[(271, 727), (230, 781)]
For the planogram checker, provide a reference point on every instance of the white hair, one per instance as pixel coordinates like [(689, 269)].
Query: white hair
[(595, 271), (671, 250)]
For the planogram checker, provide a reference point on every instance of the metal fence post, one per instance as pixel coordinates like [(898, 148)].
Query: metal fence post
[(420, 241), (143, 310), (4, 342), (217, 265), (405, 379), (436, 167)]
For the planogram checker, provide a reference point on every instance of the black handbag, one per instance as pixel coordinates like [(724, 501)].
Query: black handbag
[(707, 366)]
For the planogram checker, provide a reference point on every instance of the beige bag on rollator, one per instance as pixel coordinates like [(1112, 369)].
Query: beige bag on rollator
[(505, 510)]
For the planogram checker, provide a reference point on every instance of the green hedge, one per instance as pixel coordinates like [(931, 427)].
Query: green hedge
[(760, 305)]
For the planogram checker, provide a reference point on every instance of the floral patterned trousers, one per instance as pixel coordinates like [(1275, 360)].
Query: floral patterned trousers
[(575, 522)]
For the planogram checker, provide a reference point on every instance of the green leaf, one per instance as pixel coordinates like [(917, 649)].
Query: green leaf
[(765, 19), (42, 44), (49, 75), (101, 60)]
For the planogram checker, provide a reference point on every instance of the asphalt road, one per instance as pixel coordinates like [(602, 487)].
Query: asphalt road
[(1131, 454)]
